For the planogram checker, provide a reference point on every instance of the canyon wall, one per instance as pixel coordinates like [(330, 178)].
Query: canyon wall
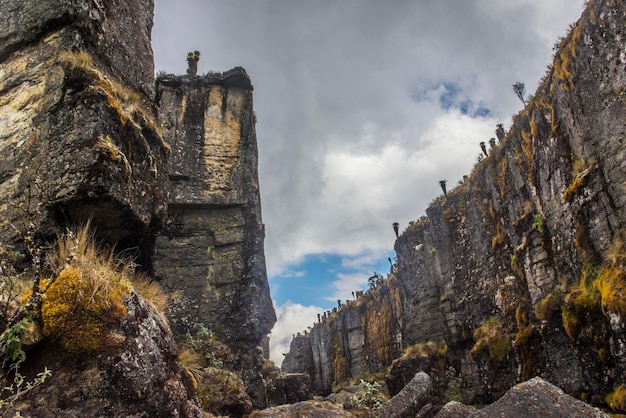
[(519, 270)]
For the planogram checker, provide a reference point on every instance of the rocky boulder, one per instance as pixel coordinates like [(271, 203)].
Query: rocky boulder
[(317, 409), (411, 399), (139, 377), (533, 398)]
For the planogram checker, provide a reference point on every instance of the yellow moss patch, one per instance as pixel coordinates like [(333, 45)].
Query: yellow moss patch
[(80, 312), (83, 305), (581, 170), (617, 399), (564, 58), (583, 299), (492, 337), (612, 286), (503, 165), (546, 307)]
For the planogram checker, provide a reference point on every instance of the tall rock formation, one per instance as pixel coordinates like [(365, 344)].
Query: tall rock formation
[(520, 269), (168, 175), (211, 246)]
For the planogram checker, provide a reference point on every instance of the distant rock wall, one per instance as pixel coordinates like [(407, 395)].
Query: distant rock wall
[(362, 336), (210, 249), (520, 269)]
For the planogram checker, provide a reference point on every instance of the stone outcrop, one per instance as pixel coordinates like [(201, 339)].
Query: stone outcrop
[(520, 269), (318, 409), (210, 249), (533, 398), (411, 399), (140, 377), (78, 138)]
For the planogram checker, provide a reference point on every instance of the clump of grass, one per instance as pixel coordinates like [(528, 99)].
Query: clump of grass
[(83, 304), (152, 291), (492, 337)]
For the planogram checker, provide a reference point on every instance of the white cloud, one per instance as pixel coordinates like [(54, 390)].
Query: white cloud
[(291, 319), (351, 131), (346, 284), (363, 193)]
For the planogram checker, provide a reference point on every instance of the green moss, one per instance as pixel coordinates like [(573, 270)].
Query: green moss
[(492, 337)]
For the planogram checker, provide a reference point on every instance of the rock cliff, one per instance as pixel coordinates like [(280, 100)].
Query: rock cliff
[(519, 270), (211, 246), (167, 174)]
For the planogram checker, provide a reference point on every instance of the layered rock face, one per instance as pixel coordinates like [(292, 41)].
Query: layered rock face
[(520, 269), (361, 336), (78, 137), (211, 246), (81, 138)]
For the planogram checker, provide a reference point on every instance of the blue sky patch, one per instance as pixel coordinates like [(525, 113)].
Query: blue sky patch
[(311, 281), (451, 96)]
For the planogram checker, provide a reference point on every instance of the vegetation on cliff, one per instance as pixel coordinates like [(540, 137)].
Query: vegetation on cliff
[(520, 268)]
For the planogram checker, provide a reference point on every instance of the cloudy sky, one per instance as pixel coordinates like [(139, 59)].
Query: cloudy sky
[(362, 107)]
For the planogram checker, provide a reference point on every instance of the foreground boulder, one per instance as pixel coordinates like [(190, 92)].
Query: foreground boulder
[(317, 409), (411, 399), (138, 374), (533, 398)]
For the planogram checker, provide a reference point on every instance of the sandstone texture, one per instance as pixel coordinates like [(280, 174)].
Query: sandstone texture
[(519, 270)]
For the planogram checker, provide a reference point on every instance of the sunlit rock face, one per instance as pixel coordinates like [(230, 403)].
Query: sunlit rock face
[(520, 269), (166, 174), (211, 247)]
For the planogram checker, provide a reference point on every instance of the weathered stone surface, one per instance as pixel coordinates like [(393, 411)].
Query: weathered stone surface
[(210, 250), (117, 31), (338, 348), (78, 137), (411, 399), (533, 398), (79, 140), (141, 377), (222, 392), (317, 409)]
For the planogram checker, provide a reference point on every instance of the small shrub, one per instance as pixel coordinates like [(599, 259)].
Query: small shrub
[(454, 388), (538, 222), (371, 400)]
